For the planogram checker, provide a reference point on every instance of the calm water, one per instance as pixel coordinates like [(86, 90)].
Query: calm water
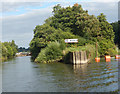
[(22, 75)]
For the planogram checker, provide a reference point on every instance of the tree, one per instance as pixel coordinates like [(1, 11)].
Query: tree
[(56, 8), (46, 34), (9, 49), (87, 26), (117, 33), (76, 20), (14, 47), (64, 18), (106, 37), (73, 22), (106, 47), (106, 29)]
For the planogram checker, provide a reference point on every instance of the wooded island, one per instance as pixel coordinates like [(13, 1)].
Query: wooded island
[(72, 23)]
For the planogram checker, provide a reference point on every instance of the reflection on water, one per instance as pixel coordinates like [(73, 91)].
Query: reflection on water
[(80, 68), (22, 75)]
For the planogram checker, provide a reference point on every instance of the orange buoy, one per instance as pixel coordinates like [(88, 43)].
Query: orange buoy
[(107, 58), (97, 59), (117, 57)]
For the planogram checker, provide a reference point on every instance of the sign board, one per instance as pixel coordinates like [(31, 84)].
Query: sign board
[(71, 40)]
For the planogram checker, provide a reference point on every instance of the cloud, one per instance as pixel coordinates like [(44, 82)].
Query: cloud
[(20, 27), (110, 9), (60, 0), (104, 1), (13, 6)]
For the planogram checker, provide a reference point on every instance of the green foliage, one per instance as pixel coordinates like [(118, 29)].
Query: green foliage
[(46, 34), (89, 48), (119, 51), (106, 47), (106, 37), (52, 52), (75, 19), (106, 29), (87, 26), (90, 51), (0, 50), (14, 47), (62, 44), (101, 17), (65, 18), (9, 49), (73, 23), (117, 33)]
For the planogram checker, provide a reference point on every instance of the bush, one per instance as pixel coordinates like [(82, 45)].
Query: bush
[(91, 51), (52, 52), (106, 47), (7, 50), (112, 52)]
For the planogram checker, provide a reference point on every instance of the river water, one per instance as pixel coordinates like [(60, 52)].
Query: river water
[(22, 75)]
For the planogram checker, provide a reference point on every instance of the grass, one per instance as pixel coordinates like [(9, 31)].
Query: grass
[(73, 49), (90, 49)]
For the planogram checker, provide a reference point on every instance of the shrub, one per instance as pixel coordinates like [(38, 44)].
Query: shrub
[(106, 47), (91, 51), (112, 52), (52, 52)]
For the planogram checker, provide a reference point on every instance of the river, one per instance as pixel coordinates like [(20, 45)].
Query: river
[(22, 75)]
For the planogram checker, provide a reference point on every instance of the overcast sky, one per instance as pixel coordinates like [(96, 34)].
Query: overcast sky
[(20, 18)]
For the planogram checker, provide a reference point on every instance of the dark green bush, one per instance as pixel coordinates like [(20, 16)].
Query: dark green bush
[(106, 47), (51, 53), (7, 50)]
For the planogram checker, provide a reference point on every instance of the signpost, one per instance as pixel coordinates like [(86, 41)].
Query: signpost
[(71, 40)]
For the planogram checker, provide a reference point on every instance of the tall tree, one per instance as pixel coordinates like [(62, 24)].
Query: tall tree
[(106, 37), (76, 20), (106, 29), (116, 30), (87, 26)]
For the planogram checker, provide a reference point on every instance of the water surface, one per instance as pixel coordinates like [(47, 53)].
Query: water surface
[(22, 75)]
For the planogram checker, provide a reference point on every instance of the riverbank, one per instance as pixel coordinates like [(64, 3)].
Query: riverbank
[(23, 54), (6, 59), (8, 50), (56, 51)]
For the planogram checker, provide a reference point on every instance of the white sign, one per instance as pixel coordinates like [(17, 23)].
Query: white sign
[(71, 40)]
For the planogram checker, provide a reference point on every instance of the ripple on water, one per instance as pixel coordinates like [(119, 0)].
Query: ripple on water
[(23, 75)]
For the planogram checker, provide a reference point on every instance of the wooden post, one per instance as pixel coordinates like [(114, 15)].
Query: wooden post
[(73, 58), (78, 57)]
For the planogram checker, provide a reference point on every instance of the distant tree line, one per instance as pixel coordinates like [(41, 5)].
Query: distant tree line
[(68, 23), (23, 49), (8, 50)]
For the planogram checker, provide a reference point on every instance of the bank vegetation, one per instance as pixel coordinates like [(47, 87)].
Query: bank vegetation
[(8, 50)]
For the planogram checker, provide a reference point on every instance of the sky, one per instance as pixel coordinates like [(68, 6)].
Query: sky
[(19, 18)]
